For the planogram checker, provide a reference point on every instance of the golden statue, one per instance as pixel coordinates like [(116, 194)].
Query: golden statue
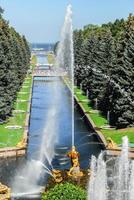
[(22, 143), (5, 192), (111, 144), (57, 175), (75, 169)]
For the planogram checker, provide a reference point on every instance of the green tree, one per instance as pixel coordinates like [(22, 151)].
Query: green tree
[(14, 62)]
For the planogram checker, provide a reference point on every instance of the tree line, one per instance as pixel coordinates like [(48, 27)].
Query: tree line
[(14, 63), (104, 66)]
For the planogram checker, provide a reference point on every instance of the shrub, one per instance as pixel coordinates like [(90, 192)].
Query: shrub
[(65, 191)]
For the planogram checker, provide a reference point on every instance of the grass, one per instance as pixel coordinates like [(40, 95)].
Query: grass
[(97, 118), (99, 121), (116, 135), (11, 137)]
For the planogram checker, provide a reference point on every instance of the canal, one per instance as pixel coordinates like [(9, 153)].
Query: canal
[(42, 100)]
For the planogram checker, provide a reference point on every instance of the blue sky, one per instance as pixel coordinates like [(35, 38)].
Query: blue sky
[(41, 20)]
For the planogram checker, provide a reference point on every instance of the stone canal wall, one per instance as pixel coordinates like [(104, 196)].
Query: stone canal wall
[(90, 123), (88, 120), (12, 152)]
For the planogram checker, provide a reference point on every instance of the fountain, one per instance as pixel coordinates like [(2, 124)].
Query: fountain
[(120, 185), (65, 60), (27, 185), (76, 82), (65, 56), (81, 86), (96, 104), (87, 93), (108, 117)]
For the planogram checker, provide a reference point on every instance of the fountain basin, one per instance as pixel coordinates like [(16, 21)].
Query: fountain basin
[(22, 100), (107, 127), (23, 92), (20, 111), (26, 82), (92, 111), (13, 127), (28, 195), (25, 86)]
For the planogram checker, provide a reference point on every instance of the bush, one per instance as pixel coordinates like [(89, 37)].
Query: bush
[(66, 191)]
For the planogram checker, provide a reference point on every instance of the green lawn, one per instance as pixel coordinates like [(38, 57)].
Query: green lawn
[(99, 121), (11, 137), (116, 135), (97, 118)]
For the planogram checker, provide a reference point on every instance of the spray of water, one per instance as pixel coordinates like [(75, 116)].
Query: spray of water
[(65, 56), (98, 179), (122, 187), (122, 170), (33, 170), (131, 186), (91, 187)]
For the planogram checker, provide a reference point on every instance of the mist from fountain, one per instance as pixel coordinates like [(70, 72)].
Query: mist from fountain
[(122, 187), (35, 169)]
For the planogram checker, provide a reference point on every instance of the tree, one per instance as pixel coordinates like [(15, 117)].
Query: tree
[(14, 62), (105, 66), (78, 44)]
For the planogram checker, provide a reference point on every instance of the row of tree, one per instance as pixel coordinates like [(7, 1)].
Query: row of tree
[(14, 63), (104, 66)]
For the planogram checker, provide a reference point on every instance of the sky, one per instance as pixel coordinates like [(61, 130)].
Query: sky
[(41, 20)]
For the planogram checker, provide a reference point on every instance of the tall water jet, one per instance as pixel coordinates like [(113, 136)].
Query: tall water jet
[(65, 57), (120, 186), (131, 185), (91, 187), (101, 179), (108, 117), (121, 174), (96, 104), (98, 181)]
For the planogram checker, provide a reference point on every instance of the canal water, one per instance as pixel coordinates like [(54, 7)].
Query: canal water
[(86, 141)]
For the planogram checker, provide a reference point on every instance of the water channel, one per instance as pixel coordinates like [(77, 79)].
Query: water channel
[(85, 140)]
